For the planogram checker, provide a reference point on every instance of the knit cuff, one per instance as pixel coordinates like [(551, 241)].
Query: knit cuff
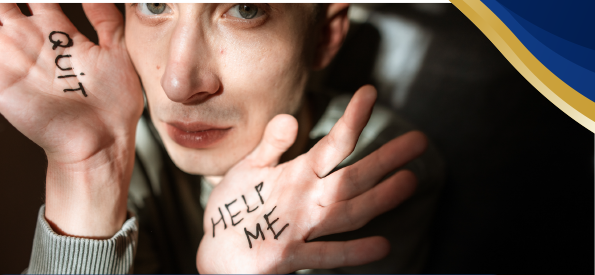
[(57, 254)]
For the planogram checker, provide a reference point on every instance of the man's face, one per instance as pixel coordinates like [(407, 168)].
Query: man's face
[(215, 74)]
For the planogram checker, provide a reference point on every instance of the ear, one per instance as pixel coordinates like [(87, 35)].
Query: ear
[(334, 30)]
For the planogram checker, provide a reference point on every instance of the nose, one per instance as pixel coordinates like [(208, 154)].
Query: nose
[(189, 75)]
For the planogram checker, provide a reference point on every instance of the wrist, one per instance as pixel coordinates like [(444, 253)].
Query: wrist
[(88, 198)]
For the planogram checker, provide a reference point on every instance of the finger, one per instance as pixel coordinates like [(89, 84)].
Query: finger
[(278, 136), (107, 21), (54, 10), (353, 180), (352, 214), (9, 11), (326, 255), (341, 140), (44, 8)]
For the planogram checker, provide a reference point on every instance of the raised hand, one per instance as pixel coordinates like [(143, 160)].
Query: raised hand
[(80, 102), (261, 215)]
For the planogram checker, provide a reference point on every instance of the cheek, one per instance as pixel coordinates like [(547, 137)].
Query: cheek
[(147, 47), (265, 79), (271, 74)]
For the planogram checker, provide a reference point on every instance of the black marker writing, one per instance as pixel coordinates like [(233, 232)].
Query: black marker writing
[(54, 38), (58, 43), (79, 89), (248, 207), (258, 189), (258, 233), (222, 219), (270, 224), (233, 216), (58, 59)]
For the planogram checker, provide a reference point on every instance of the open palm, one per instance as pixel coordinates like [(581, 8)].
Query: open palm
[(68, 95), (260, 218)]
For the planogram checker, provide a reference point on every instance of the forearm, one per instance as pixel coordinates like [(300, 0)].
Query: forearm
[(88, 199)]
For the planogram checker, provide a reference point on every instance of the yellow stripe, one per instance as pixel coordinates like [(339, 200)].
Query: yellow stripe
[(563, 96)]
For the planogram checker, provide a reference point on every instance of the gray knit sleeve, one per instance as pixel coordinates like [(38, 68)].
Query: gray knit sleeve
[(57, 254)]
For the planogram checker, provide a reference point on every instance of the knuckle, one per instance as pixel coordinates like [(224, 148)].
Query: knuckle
[(332, 142), (352, 179), (344, 254), (277, 141), (354, 221)]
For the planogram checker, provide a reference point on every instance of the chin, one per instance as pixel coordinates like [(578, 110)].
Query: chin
[(196, 162), (213, 170)]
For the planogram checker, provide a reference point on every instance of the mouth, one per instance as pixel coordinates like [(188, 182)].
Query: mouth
[(196, 135)]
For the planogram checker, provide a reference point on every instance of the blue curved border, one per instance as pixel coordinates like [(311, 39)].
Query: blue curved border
[(572, 63)]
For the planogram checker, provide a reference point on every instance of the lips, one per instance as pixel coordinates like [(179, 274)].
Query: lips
[(196, 135)]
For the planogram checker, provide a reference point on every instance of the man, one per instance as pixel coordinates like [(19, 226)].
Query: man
[(214, 75)]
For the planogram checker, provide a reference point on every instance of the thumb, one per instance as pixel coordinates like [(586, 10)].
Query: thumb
[(278, 136), (107, 21)]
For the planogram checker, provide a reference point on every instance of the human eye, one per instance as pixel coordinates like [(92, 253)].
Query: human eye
[(153, 8), (246, 11)]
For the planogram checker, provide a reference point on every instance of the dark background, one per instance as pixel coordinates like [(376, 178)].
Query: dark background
[(518, 196)]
